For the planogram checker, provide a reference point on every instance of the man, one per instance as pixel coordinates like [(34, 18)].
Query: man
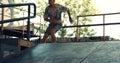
[(53, 16)]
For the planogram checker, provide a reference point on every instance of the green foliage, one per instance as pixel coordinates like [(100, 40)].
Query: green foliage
[(82, 7), (62, 32), (87, 9)]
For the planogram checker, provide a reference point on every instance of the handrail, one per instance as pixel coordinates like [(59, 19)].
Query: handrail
[(94, 24), (97, 14), (22, 18), (17, 19), (102, 24), (91, 25), (18, 9)]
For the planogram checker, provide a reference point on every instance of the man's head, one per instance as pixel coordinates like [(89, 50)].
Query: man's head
[(51, 2)]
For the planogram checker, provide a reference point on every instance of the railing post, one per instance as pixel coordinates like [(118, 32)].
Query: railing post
[(77, 31), (104, 27), (1, 30), (28, 24)]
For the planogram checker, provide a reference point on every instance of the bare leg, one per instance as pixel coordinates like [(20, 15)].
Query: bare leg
[(53, 37), (44, 38)]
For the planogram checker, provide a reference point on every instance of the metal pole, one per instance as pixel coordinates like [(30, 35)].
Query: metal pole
[(103, 27), (2, 20), (28, 24), (12, 12), (76, 35)]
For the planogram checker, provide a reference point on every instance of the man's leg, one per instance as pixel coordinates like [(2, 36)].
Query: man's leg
[(44, 38), (53, 31), (46, 34), (53, 37)]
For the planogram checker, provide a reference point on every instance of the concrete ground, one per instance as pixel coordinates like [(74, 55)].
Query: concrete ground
[(77, 52)]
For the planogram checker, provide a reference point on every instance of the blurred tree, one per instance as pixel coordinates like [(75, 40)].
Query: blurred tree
[(80, 7)]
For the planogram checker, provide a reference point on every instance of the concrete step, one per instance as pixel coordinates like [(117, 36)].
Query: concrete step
[(12, 46)]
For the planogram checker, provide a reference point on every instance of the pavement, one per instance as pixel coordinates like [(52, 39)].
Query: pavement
[(73, 52)]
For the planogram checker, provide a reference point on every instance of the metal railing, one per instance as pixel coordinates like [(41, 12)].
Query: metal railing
[(21, 18), (102, 24)]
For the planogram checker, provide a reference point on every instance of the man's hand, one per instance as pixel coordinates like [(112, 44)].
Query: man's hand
[(70, 19)]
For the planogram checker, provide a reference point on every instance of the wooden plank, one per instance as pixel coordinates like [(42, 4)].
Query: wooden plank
[(11, 32), (25, 43), (24, 27)]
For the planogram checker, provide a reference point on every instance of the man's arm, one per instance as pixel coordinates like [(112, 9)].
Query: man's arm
[(70, 19)]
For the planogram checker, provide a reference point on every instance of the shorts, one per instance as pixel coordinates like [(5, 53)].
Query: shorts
[(51, 26)]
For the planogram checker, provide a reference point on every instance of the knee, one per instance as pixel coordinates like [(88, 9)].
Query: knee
[(52, 31)]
